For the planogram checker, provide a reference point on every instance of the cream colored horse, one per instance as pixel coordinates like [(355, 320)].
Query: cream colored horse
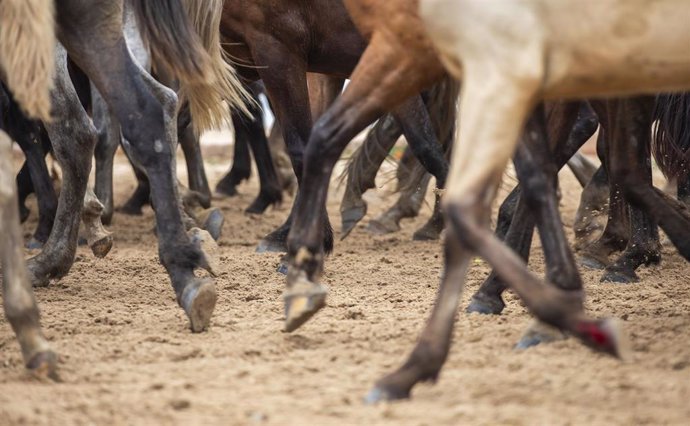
[(510, 55)]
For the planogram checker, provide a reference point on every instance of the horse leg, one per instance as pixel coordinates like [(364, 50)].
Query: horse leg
[(569, 127), (73, 138), (109, 138), (142, 193), (270, 192), (362, 170), (19, 303), (24, 188), (289, 96), (582, 168), (105, 58), (476, 169), (616, 232), (40, 182), (196, 174), (644, 246), (591, 214), (413, 181), (241, 164)]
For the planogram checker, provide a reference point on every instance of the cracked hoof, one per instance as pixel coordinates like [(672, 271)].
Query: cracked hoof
[(591, 262), (101, 247), (43, 365), (485, 305), (198, 301), (271, 246), (380, 394), (302, 300), (213, 223), (619, 276), (350, 217), (538, 333)]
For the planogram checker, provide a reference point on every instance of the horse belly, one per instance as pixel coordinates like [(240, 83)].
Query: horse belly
[(619, 47)]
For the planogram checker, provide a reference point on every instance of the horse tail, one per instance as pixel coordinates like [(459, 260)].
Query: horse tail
[(27, 53), (671, 137), (184, 37)]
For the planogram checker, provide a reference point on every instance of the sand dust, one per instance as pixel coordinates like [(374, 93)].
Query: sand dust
[(127, 357)]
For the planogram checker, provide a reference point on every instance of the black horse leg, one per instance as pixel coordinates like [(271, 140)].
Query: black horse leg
[(253, 132), (241, 164), (570, 126), (142, 193), (109, 138), (196, 173), (616, 232)]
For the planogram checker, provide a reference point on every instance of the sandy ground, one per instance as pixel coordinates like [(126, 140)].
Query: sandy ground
[(127, 357)]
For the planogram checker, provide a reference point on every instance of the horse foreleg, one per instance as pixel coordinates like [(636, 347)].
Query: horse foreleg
[(109, 138), (196, 173), (241, 168), (18, 298), (617, 231), (73, 138)]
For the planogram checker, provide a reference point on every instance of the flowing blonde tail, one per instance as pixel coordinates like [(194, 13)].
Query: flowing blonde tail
[(190, 47), (205, 100), (27, 53)]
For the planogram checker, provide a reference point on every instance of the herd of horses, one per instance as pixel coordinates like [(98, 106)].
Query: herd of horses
[(470, 84)]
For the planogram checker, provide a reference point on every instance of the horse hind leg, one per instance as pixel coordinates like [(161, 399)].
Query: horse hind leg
[(18, 298), (362, 170)]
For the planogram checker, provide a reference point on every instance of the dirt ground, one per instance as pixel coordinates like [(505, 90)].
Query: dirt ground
[(127, 357)]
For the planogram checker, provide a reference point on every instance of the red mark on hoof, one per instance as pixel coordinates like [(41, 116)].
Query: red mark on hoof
[(594, 333)]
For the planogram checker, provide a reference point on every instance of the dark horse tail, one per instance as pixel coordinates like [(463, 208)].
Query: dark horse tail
[(184, 37), (671, 137)]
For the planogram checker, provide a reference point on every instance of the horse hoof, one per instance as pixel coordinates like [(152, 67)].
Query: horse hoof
[(214, 223), (619, 276), (207, 244), (34, 244), (350, 217), (43, 365), (538, 333), (604, 336), (377, 227), (102, 246), (282, 268), (271, 246), (198, 301), (426, 234), (381, 393), (485, 306), (591, 262), (302, 300)]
